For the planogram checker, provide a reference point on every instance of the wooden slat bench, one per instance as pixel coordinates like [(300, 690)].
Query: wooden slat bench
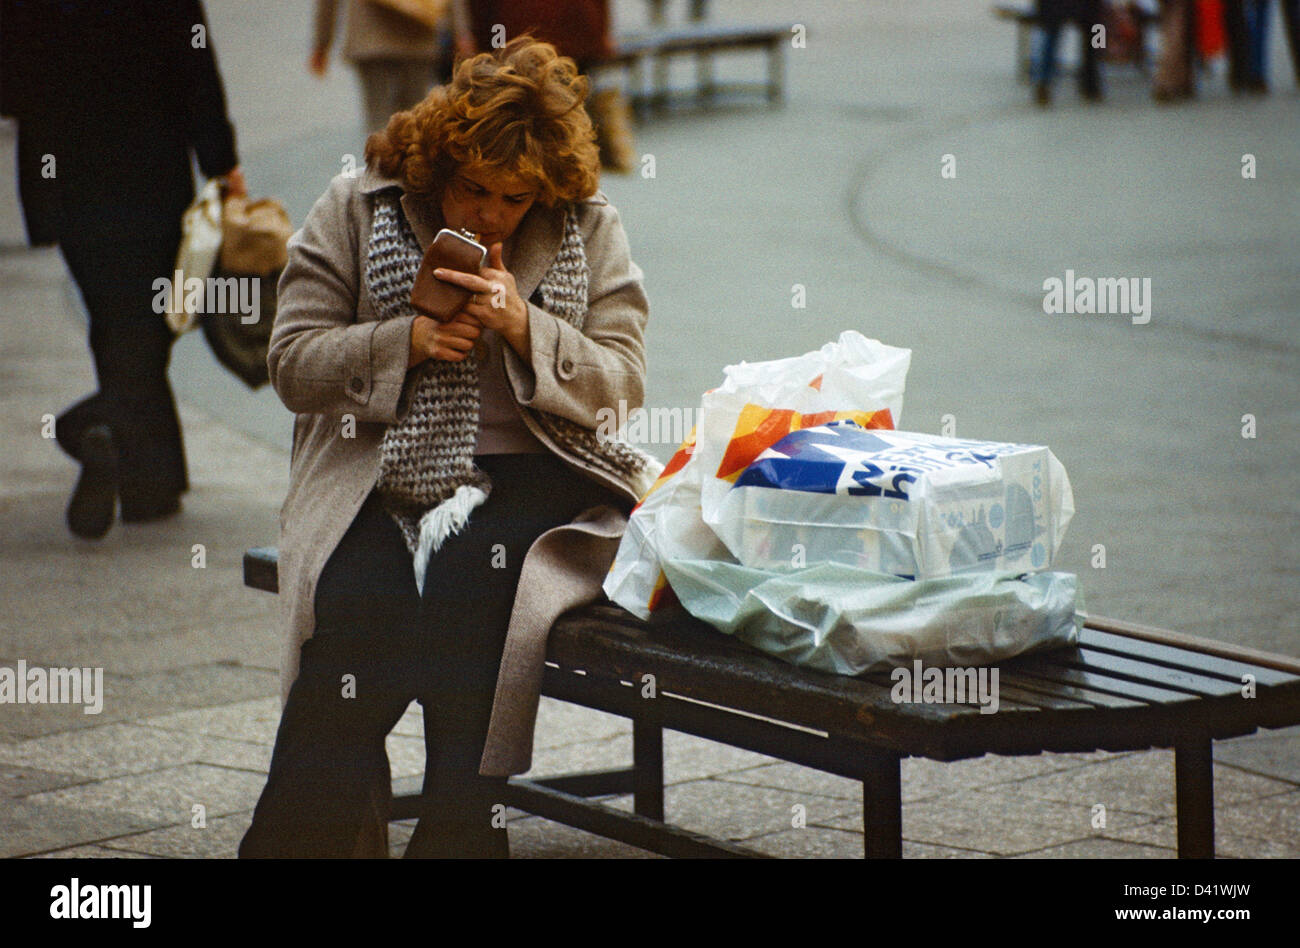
[(1125, 687), (1027, 19), (703, 40)]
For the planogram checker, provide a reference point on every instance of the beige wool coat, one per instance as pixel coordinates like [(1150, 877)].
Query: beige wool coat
[(332, 358)]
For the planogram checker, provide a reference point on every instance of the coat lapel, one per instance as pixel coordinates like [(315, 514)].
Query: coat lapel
[(536, 244)]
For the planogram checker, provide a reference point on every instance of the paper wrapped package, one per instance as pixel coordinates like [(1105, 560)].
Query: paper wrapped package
[(913, 505)]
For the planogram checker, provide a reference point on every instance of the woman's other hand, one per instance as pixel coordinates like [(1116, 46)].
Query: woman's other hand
[(450, 341), (233, 183), (496, 302)]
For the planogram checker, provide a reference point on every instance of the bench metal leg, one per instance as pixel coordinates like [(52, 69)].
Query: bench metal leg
[(1023, 51), (640, 97), (1194, 795), (659, 99), (648, 762), (776, 72), (882, 806), (704, 80)]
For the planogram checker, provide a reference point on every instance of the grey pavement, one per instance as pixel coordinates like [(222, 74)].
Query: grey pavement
[(840, 191)]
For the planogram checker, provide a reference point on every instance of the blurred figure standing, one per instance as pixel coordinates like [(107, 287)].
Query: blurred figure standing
[(579, 29), (1053, 16), (398, 58), (1246, 24), (109, 100), (1291, 23), (1175, 77)]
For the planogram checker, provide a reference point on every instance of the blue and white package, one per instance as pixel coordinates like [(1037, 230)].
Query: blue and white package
[(910, 504)]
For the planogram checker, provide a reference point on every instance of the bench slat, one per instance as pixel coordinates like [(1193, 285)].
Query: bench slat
[(1071, 692), (1096, 681), (1208, 665), (1195, 644), (1143, 672)]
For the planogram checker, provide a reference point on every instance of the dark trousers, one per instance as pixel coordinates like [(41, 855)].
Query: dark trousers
[(379, 645), (131, 346), (1245, 24), (1054, 16)]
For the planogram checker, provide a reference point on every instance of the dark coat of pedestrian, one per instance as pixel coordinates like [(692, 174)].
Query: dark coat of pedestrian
[(110, 99)]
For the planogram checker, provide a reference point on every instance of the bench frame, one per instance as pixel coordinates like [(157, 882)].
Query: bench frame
[(703, 41), (716, 688)]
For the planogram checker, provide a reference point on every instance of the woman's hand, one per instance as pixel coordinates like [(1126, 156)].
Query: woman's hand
[(496, 302), (451, 341), (233, 183)]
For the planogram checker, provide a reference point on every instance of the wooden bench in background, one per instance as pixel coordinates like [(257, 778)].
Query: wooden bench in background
[(1026, 20), (702, 39), (1124, 688)]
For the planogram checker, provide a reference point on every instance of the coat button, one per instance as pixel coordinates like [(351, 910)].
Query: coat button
[(356, 384), (566, 368)]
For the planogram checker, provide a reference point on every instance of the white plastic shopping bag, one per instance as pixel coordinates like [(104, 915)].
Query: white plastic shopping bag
[(195, 258), (757, 404)]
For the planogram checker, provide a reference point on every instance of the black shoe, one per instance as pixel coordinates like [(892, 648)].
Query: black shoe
[(1043, 94), (90, 511), (155, 508)]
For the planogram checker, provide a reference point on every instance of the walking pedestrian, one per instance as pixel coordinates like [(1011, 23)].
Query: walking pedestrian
[(579, 29), (1246, 24), (397, 57), (1053, 15), (1175, 77), (110, 99)]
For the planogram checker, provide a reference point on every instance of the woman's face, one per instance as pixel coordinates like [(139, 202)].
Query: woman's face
[(488, 201)]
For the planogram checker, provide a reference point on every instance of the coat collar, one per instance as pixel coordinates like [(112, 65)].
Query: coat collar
[(535, 243)]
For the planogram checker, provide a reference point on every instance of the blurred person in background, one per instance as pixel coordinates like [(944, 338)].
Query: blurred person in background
[(1246, 24), (397, 57), (1291, 23), (1053, 16), (1175, 77), (579, 29), (110, 98)]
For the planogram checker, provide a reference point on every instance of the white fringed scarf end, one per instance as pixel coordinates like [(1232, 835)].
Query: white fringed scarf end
[(442, 521)]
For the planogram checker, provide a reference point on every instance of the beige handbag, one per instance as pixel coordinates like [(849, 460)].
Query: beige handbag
[(254, 236), (428, 12), (254, 249)]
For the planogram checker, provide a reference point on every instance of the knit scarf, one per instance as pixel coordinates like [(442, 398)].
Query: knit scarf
[(427, 477)]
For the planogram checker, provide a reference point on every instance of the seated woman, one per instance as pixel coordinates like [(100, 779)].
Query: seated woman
[(429, 458)]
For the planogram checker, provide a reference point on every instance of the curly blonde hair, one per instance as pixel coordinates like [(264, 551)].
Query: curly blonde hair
[(519, 109)]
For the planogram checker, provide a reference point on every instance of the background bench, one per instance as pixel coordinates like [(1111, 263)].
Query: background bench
[(1027, 20), (695, 36), (1125, 687)]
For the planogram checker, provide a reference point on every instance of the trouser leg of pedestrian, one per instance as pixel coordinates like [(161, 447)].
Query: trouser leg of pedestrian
[(1090, 77), (1043, 70), (1257, 13), (1291, 23), (393, 85), (1237, 44), (1174, 74), (131, 347)]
